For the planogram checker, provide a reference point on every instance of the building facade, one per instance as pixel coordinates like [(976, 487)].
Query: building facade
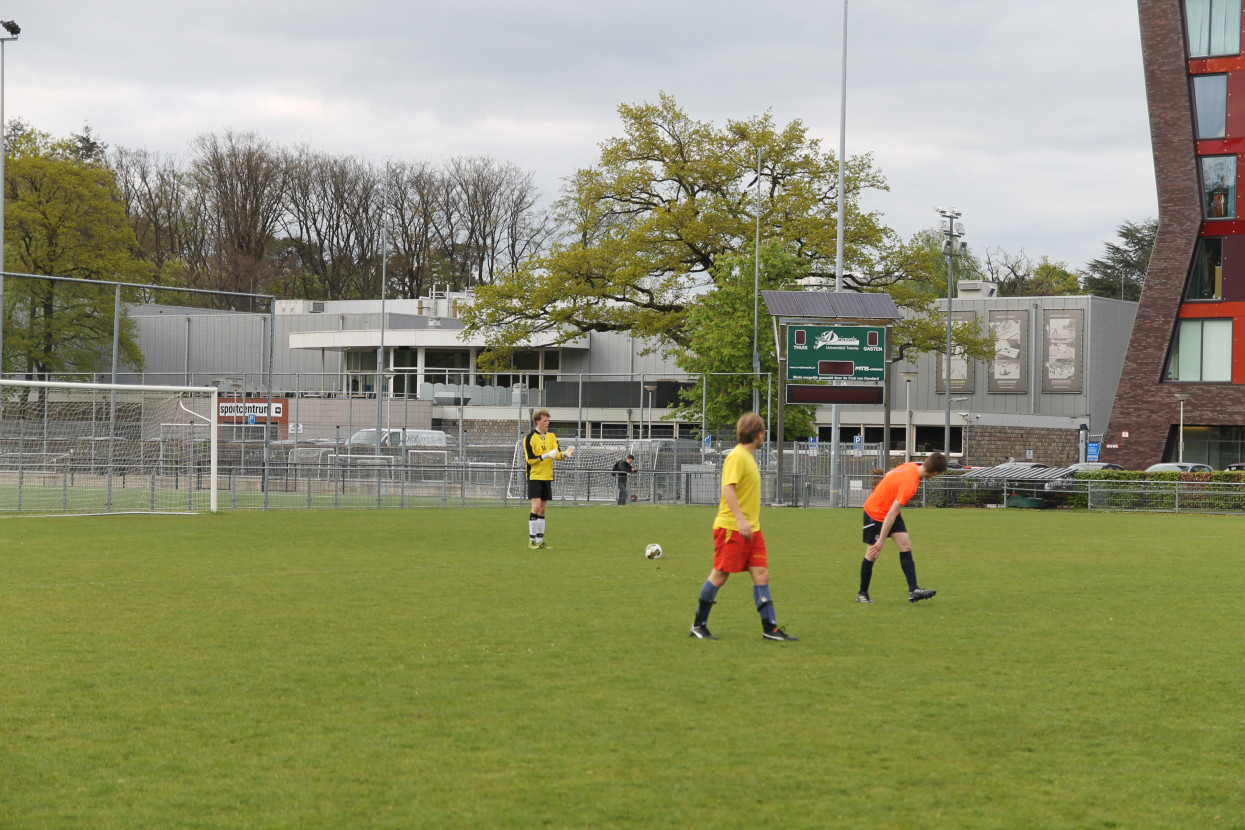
[(1044, 397), (1184, 374)]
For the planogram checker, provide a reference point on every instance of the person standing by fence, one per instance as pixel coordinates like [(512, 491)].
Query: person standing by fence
[(541, 449), (623, 469)]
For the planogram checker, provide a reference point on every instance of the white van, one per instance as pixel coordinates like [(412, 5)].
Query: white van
[(432, 439)]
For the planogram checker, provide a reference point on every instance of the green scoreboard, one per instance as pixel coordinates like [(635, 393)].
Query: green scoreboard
[(825, 353)]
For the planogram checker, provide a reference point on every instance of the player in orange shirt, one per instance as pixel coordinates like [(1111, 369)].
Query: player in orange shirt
[(882, 519)]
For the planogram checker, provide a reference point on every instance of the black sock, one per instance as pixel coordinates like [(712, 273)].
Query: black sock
[(909, 568), (866, 575)]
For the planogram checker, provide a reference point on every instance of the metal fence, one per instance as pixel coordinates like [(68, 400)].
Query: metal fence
[(42, 476)]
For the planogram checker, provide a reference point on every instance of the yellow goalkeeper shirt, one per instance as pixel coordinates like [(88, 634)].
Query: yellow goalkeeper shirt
[(540, 469)]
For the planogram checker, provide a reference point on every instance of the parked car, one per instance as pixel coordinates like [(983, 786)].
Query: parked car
[(1092, 466), (1179, 467), (1067, 484), (414, 439), (1237, 468)]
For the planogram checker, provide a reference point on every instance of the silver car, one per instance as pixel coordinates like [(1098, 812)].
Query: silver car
[(1179, 467)]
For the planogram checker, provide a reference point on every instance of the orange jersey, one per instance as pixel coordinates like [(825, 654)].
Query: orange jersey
[(899, 485)]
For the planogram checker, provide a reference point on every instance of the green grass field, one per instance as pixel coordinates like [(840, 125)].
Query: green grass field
[(424, 669)]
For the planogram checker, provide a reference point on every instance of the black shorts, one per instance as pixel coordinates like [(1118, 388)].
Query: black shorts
[(542, 490), (874, 526)]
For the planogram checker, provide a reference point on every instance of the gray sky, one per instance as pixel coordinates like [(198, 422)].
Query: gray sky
[(1028, 117)]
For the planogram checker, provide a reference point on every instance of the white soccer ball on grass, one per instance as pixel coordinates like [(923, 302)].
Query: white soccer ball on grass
[(653, 551)]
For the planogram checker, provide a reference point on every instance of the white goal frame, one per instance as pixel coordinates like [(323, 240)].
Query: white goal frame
[(178, 393)]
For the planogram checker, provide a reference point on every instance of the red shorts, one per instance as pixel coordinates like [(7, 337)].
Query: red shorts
[(733, 554)]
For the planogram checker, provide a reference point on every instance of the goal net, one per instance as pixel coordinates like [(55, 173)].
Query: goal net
[(107, 448), (588, 476)]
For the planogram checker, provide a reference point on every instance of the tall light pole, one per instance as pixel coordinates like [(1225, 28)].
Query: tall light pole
[(908, 377), (384, 278), (840, 230), (952, 247), (756, 293), (1182, 397), (13, 31)]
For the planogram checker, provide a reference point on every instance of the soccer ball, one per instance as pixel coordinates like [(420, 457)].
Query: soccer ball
[(653, 551)]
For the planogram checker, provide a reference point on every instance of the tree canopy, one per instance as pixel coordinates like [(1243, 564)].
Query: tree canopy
[(646, 225), (1121, 272), (63, 217)]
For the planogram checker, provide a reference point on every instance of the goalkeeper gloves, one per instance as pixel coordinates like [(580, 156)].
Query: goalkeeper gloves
[(550, 454), (570, 452)]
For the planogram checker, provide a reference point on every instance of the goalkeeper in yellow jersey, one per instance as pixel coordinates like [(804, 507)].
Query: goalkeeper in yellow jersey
[(541, 448)]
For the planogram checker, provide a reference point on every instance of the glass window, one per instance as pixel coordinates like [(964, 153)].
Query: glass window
[(361, 361), (1206, 276), (447, 358), (1210, 105), (1217, 350), (1218, 186), (1201, 350), (553, 360), (527, 360), (1214, 27)]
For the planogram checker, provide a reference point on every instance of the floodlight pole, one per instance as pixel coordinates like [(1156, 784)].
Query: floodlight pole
[(13, 29), (840, 230), (756, 294), (380, 351), (952, 247)]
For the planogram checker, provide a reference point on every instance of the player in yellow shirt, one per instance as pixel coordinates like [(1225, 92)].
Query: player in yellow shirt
[(737, 541), (541, 448)]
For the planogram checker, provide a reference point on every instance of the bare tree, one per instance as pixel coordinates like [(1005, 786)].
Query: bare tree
[(239, 179), (333, 208)]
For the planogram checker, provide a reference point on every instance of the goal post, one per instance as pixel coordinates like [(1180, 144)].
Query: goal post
[(107, 448)]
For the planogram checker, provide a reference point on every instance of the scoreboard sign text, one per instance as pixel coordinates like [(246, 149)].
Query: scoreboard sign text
[(836, 353)]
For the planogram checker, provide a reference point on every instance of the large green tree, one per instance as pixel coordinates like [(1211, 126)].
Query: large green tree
[(63, 217), (647, 224), (1121, 272)]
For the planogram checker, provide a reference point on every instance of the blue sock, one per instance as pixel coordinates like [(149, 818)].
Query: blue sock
[(708, 593), (765, 605)]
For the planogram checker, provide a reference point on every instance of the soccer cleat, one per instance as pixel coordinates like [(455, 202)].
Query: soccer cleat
[(919, 594), (863, 597), (533, 545), (541, 546), (779, 634), (701, 632)]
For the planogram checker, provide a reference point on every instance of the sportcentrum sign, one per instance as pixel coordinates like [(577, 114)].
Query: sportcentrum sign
[(235, 409), (836, 353)]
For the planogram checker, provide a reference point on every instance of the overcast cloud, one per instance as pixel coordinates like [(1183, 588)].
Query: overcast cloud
[(1028, 117)]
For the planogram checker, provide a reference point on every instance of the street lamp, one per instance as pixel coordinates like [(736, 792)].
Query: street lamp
[(953, 248), (908, 377), (14, 30), (1182, 397)]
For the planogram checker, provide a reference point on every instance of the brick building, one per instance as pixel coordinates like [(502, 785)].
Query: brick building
[(1189, 336)]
